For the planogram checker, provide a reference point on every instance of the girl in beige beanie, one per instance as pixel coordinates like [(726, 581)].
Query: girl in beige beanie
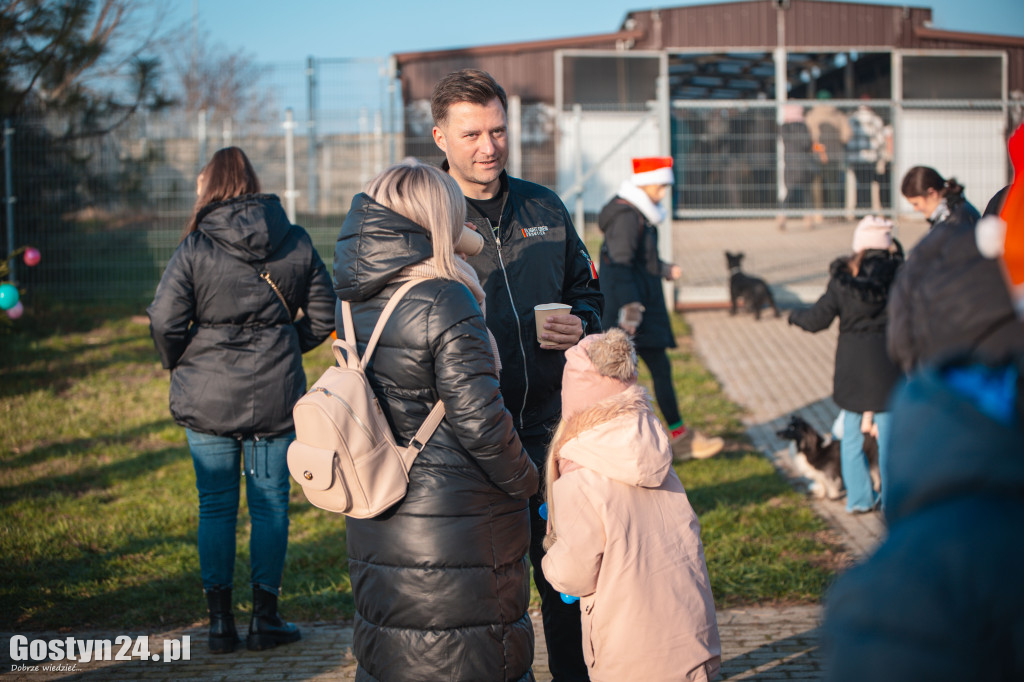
[(622, 534)]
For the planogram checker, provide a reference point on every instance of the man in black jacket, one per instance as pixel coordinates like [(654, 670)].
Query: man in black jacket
[(532, 255)]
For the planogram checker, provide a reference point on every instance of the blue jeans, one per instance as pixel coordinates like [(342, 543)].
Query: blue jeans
[(216, 461), (860, 496)]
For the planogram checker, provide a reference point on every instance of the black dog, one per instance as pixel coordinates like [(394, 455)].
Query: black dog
[(753, 290), (819, 461)]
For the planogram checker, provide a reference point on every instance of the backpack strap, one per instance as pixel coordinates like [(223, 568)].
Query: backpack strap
[(371, 345), (433, 419), (423, 434)]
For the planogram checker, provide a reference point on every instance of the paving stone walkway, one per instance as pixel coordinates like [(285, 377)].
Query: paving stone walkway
[(757, 644), (773, 370)]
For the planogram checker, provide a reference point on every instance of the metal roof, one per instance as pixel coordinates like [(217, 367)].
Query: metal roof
[(743, 29)]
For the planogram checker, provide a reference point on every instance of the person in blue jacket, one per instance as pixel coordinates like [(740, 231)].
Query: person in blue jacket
[(939, 598)]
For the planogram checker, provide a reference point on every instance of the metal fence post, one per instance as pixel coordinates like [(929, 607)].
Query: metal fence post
[(311, 133), (289, 163), (664, 104), (515, 134), (9, 195), (577, 127), (201, 134), (393, 124)]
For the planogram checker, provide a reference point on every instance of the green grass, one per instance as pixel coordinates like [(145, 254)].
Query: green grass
[(98, 508)]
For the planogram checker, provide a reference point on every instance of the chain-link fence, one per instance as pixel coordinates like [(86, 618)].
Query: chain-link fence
[(107, 211)]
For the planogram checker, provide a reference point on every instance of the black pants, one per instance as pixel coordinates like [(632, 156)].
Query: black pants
[(658, 363), (563, 632), (865, 174)]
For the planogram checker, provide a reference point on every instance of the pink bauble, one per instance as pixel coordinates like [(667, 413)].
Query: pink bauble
[(31, 256), (16, 310)]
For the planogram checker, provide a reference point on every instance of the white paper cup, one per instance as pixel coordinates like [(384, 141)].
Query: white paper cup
[(543, 311)]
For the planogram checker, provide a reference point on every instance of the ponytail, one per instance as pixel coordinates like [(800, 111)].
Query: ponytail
[(953, 192)]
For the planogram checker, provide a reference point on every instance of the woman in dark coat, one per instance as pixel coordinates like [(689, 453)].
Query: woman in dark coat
[(225, 322), (631, 275), (948, 299), (440, 581), (857, 293)]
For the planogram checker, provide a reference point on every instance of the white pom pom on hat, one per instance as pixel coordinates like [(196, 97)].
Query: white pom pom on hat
[(873, 232), (990, 235)]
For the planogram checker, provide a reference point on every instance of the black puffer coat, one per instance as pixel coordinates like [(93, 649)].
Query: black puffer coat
[(535, 256), (631, 271), (864, 374), (441, 581), (234, 354), (949, 299)]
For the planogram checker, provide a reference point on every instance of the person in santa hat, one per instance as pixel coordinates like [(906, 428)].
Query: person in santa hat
[(631, 275)]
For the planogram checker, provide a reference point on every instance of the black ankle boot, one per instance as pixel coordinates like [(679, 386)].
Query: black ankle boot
[(223, 636), (266, 629)]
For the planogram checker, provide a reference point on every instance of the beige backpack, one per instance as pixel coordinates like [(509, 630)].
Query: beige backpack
[(344, 455)]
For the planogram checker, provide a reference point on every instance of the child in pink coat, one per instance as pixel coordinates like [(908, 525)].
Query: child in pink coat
[(622, 535)]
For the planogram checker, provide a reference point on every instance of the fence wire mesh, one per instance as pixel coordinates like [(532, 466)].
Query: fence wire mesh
[(107, 211)]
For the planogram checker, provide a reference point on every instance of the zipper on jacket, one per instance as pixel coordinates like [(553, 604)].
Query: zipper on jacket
[(515, 310)]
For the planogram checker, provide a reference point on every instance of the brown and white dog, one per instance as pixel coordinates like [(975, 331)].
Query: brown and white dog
[(817, 458)]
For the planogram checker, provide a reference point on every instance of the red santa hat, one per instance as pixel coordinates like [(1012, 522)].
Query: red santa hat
[(1003, 237), (652, 170)]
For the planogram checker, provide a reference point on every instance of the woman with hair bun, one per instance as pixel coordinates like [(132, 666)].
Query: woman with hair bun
[(948, 298)]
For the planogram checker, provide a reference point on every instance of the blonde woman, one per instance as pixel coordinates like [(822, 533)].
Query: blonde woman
[(440, 581)]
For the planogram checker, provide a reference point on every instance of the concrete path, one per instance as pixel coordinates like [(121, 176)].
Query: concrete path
[(776, 370)]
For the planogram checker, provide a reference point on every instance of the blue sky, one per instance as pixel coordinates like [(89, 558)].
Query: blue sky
[(276, 31)]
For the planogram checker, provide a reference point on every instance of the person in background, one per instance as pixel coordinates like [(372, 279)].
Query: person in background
[(440, 581), (933, 602), (532, 255), (800, 163), (865, 154), (830, 131), (857, 293), (631, 276), (244, 295), (948, 298), (623, 536)]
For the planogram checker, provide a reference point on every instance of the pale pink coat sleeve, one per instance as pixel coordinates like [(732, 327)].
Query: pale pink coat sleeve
[(574, 560)]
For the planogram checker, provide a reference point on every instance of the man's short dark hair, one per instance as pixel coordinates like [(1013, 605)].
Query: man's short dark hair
[(468, 85)]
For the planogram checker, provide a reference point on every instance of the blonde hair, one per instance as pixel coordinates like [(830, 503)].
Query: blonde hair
[(429, 197), (551, 463)]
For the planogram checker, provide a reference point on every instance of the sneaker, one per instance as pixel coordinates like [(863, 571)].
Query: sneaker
[(690, 444)]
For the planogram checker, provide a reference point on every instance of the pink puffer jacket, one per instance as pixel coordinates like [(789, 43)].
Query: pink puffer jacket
[(627, 541)]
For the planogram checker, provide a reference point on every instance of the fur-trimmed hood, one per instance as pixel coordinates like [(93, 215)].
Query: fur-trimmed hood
[(620, 438), (877, 272)]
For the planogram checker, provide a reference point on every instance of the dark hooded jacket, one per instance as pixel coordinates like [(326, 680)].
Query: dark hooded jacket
[(534, 257), (938, 600), (864, 374), (949, 299), (632, 272), (234, 352), (440, 581)]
